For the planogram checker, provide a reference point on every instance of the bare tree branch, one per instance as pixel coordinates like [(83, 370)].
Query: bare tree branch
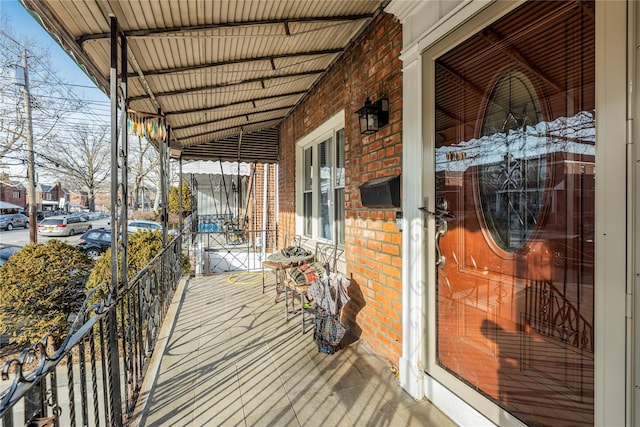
[(83, 158)]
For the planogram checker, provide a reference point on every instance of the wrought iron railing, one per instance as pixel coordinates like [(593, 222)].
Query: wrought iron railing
[(549, 313), (236, 250), (95, 375)]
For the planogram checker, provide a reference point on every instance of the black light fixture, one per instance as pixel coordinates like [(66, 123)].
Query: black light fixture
[(373, 116)]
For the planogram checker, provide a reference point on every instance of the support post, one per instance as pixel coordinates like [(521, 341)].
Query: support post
[(115, 396), (180, 207), (164, 179), (123, 162)]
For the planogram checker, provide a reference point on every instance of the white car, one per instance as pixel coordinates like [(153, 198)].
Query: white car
[(63, 226), (134, 225)]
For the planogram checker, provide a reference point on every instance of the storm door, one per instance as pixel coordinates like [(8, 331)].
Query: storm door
[(514, 185)]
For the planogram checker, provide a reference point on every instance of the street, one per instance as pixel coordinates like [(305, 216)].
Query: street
[(20, 236)]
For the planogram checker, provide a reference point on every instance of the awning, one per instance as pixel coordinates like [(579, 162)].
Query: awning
[(216, 168), (7, 205), (203, 171), (224, 74)]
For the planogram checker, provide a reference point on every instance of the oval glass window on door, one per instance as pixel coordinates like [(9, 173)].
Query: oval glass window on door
[(511, 181)]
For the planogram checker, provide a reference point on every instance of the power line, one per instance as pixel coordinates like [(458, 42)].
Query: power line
[(66, 87)]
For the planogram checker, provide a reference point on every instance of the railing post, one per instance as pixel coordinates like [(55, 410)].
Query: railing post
[(33, 402)]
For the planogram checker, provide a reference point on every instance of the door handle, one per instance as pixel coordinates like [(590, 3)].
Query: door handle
[(442, 216)]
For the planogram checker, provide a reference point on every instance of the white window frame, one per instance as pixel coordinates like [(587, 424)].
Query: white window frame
[(328, 130)]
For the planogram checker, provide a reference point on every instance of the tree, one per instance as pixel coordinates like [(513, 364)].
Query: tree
[(40, 287), (142, 247), (155, 177), (174, 200), (144, 159), (84, 159), (50, 100)]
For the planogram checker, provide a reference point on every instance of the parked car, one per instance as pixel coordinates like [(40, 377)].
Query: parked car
[(95, 242), (6, 251), (39, 214), (134, 225), (11, 221), (82, 215), (94, 216), (63, 226)]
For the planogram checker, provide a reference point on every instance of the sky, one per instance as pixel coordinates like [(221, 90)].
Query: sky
[(22, 23), (71, 81)]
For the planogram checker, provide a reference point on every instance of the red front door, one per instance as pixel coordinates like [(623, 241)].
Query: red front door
[(515, 151)]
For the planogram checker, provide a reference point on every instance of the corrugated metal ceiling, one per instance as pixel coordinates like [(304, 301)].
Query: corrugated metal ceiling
[(224, 73)]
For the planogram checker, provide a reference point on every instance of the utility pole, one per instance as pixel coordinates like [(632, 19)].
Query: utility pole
[(31, 176), (34, 396)]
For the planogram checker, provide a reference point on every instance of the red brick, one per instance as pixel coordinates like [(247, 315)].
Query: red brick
[(370, 67)]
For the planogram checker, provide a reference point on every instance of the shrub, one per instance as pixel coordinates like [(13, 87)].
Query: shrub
[(142, 247), (40, 287), (174, 200), (185, 263)]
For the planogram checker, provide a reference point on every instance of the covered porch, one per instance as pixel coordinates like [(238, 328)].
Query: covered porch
[(226, 356)]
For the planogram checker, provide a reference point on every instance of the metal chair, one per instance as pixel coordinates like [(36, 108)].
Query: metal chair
[(299, 279)]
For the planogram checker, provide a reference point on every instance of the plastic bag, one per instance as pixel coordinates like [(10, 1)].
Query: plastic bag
[(328, 331)]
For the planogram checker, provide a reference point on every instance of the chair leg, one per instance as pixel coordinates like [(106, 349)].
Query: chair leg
[(280, 285), (302, 298), (286, 302)]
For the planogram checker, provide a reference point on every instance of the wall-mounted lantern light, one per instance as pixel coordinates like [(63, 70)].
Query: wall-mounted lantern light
[(373, 116)]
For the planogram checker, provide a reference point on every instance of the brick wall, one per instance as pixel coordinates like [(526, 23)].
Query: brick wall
[(260, 197), (370, 67)]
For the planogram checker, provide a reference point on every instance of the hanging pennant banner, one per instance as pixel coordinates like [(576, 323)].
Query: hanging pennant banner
[(150, 126)]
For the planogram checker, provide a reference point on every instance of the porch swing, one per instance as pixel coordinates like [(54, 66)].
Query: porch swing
[(235, 228)]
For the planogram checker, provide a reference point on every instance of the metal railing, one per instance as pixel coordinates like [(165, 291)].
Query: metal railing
[(550, 313), (243, 250), (78, 383)]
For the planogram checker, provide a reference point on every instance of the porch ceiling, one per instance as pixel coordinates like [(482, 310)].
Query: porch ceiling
[(224, 73)]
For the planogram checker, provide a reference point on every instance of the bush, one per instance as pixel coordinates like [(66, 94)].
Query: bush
[(40, 286), (174, 200), (142, 247)]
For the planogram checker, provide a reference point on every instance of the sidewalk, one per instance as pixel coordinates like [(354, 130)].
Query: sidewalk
[(227, 357)]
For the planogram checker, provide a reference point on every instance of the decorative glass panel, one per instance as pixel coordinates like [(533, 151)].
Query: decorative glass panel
[(339, 188), (308, 169), (339, 215), (340, 158), (512, 188)]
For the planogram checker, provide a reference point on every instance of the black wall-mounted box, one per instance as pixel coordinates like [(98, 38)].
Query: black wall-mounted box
[(381, 192)]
